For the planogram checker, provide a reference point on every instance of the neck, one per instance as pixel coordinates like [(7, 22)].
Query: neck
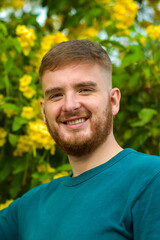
[(102, 154)]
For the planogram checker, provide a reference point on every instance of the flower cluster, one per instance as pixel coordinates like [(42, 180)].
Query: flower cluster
[(24, 87), (40, 136), (153, 32), (37, 137), (47, 42), (124, 12), (47, 167), (12, 3), (24, 145), (27, 112), (3, 135), (9, 112), (84, 32), (26, 37)]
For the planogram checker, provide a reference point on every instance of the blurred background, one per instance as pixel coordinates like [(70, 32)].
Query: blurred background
[(128, 30)]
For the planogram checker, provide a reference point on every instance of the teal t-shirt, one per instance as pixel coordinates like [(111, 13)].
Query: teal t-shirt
[(118, 200)]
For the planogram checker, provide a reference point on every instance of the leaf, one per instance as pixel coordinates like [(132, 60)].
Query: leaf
[(20, 168), (6, 170), (2, 84), (134, 81), (140, 139), (18, 122), (17, 45), (114, 43), (13, 139), (64, 167), (119, 79), (16, 184), (10, 106), (148, 113), (145, 115), (134, 55), (3, 29)]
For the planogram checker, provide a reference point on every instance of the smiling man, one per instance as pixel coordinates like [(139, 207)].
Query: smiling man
[(112, 193)]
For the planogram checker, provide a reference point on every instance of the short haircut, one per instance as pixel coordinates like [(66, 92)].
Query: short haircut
[(73, 51)]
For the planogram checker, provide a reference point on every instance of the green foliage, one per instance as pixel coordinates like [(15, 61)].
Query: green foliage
[(25, 159)]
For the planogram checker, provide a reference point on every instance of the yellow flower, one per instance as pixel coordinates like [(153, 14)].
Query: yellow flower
[(45, 168), (47, 42), (153, 32), (28, 69), (4, 57), (50, 169), (46, 180), (1, 99), (17, 4), (26, 37), (84, 32), (12, 3), (6, 204), (61, 174), (143, 41), (29, 92), (27, 112), (24, 145), (40, 136), (9, 112), (3, 135), (124, 12), (150, 61), (24, 82)]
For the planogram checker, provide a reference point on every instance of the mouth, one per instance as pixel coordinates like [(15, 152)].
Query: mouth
[(78, 121), (74, 122)]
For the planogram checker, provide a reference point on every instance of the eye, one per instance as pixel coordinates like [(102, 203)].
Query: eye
[(85, 90), (56, 96)]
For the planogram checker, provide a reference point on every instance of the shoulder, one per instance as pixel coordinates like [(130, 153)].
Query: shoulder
[(35, 195), (142, 169), (43, 189), (144, 161)]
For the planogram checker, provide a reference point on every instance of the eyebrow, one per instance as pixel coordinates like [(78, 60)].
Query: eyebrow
[(77, 85), (52, 90), (86, 84)]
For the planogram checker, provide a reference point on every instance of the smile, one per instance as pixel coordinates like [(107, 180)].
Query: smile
[(73, 122)]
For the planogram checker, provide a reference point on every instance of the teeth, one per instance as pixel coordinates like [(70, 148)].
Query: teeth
[(76, 121)]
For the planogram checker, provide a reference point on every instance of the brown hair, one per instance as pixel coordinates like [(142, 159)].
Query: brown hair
[(71, 51)]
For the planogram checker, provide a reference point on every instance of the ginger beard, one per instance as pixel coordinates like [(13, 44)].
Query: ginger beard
[(80, 145)]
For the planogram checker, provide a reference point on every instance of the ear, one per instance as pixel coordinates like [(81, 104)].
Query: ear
[(43, 111), (115, 95)]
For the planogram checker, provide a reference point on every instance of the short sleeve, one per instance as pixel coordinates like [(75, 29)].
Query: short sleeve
[(9, 222), (146, 212)]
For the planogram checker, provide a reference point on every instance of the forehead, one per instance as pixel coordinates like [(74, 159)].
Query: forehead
[(76, 73)]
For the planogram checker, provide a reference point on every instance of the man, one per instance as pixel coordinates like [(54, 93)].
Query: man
[(112, 193)]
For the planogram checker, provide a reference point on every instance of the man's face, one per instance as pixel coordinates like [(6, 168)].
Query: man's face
[(77, 107)]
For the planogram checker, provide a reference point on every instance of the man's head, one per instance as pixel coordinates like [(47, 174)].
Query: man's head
[(66, 53), (79, 104)]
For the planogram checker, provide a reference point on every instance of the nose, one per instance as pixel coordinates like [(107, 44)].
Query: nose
[(71, 103)]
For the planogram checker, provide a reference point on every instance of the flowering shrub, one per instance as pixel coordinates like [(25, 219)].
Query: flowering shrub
[(124, 12), (28, 154), (26, 38), (153, 32)]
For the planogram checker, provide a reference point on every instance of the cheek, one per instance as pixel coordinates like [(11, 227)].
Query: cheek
[(53, 111)]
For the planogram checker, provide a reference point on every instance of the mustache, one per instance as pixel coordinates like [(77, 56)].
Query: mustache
[(75, 113)]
